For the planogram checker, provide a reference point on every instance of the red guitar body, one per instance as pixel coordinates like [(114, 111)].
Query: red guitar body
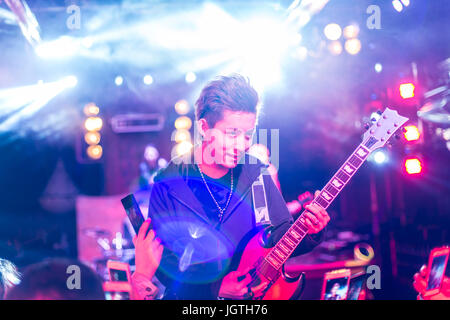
[(283, 287)]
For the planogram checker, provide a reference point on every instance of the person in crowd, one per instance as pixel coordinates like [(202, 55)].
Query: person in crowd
[(58, 279)]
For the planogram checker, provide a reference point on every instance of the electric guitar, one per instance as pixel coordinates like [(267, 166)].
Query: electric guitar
[(267, 264)]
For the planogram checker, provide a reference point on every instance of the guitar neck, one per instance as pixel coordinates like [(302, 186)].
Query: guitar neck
[(292, 238)]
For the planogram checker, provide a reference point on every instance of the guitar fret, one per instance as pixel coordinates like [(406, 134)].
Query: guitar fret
[(290, 239), (284, 243), (276, 258), (341, 175), (355, 161), (362, 153), (328, 197), (321, 202), (332, 190), (284, 248), (349, 169), (279, 253), (301, 223), (337, 183), (295, 234), (273, 262), (298, 230)]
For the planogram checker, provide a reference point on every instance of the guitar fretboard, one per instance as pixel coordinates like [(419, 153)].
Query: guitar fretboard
[(292, 238)]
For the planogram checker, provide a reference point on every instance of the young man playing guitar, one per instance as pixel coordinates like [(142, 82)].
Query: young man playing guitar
[(203, 207)]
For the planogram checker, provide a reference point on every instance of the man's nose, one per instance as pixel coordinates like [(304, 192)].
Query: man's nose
[(241, 144)]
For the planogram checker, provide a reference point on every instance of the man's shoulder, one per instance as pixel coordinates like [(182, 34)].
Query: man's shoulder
[(174, 169)]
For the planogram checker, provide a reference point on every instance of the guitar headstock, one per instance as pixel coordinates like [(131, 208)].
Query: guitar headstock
[(380, 132)]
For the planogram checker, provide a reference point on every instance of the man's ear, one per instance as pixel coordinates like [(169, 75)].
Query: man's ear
[(203, 128)]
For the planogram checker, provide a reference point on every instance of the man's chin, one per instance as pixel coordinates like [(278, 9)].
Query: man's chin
[(230, 164)]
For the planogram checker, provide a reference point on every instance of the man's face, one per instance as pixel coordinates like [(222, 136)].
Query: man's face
[(230, 138)]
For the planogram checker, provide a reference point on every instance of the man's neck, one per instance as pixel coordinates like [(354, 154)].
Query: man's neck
[(212, 170)]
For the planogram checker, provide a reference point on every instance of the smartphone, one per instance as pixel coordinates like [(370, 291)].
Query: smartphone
[(133, 212), (117, 290), (437, 264), (336, 284), (118, 271), (357, 286)]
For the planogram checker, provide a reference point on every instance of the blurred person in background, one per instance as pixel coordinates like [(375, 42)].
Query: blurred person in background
[(48, 280)]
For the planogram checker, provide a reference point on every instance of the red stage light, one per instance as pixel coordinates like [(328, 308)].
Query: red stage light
[(407, 90), (413, 166), (412, 133)]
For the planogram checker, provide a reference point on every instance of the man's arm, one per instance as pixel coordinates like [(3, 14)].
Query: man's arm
[(281, 219)]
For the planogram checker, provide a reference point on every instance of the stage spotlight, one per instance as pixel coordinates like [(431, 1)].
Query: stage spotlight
[(413, 166), (118, 81), (181, 135), (301, 53), (64, 47), (412, 133), (182, 107), (405, 2), (183, 147), (351, 31), (69, 82), (380, 157), (407, 90), (183, 123), (148, 79), (93, 124), (335, 48), (92, 137), (397, 5), (91, 109), (87, 42), (446, 134), (95, 152), (378, 67), (190, 77), (332, 31), (353, 46)]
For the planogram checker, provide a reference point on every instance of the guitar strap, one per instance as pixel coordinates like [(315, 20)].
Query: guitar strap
[(260, 201)]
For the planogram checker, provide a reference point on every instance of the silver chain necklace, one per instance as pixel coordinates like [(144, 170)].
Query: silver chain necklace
[(221, 211)]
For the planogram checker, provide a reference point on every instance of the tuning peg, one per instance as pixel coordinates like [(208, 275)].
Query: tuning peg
[(379, 112), (373, 120), (366, 125)]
